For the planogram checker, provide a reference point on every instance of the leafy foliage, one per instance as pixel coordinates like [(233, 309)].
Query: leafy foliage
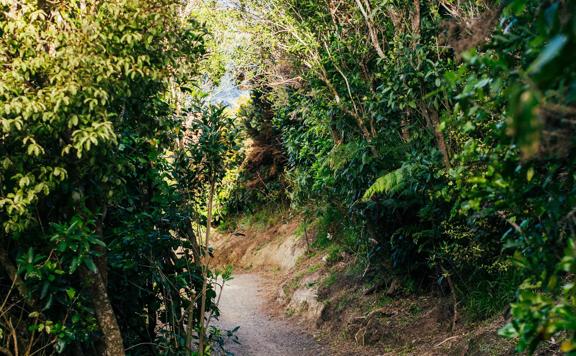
[(258, 180), (90, 210), (468, 108), (389, 183), (433, 138)]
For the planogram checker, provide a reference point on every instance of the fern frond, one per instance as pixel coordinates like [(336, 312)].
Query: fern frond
[(391, 182)]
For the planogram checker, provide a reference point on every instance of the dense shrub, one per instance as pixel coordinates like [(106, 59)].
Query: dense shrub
[(90, 206), (437, 138)]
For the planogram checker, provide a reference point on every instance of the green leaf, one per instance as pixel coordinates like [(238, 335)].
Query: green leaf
[(389, 183), (49, 302), (74, 265), (45, 287), (90, 264), (550, 52), (508, 331), (98, 242), (530, 174), (71, 292)]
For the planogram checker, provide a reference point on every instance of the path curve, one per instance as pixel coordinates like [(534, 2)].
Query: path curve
[(242, 304)]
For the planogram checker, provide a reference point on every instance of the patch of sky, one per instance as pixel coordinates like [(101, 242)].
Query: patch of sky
[(227, 93)]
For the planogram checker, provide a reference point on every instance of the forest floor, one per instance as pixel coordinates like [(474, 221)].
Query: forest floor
[(243, 303)]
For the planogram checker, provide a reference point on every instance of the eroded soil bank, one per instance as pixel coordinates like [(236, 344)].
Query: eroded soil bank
[(286, 291)]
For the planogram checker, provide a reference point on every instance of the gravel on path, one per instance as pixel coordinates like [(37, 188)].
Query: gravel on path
[(242, 304)]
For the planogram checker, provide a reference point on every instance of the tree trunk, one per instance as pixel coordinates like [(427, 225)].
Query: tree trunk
[(416, 23), (440, 137), (102, 260), (203, 325), (12, 272), (190, 324), (372, 31), (405, 127), (113, 345), (188, 232), (432, 115)]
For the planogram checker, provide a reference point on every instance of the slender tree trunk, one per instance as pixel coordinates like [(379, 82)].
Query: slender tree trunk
[(190, 324), (440, 137), (203, 325), (454, 298), (405, 127), (102, 260), (372, 31), (433, 120), (191, 236), (113, 345), (416, 23), (306, 237), (152, 321)]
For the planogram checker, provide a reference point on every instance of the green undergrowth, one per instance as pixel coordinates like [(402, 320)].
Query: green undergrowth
[(488, 298), (480, 297), (259, 220), (338, 241)]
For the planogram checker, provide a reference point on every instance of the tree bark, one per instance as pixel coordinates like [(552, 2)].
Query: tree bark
[(102, 260), (190, 324), (372, 32), (405, 127), (434, 120), (191, 236), (440, 137), (354, 113), (416, 23), (113, 344), (203, 325)]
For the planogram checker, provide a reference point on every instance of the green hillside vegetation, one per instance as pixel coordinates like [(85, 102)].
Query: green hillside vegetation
[(431, 140)]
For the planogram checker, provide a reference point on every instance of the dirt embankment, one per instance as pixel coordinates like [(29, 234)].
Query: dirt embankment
[(326, 295), (266, 249)]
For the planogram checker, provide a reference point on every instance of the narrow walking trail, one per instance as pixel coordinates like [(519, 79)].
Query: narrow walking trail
[(243, 304)]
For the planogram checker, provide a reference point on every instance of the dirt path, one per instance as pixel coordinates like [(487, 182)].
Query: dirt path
[(242, 304)]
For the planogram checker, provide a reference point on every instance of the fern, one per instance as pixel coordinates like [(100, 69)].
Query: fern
[(390, 183)]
